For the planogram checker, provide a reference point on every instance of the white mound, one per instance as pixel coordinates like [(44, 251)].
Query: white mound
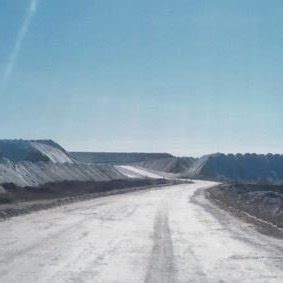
[(33, 150)]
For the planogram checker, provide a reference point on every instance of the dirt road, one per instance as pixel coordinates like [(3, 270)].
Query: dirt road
[(168, 234)]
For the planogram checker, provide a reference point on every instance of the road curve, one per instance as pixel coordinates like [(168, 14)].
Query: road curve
[(169, 234)]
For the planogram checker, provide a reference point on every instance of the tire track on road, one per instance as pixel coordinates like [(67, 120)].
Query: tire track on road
[(161, 266)]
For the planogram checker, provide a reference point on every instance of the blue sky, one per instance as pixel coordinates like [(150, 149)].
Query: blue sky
[(184, 76)]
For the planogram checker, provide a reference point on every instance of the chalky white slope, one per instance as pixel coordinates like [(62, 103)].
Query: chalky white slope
[(34, 163), (133, 171), (33, 150), (27, 173), (170, 234)]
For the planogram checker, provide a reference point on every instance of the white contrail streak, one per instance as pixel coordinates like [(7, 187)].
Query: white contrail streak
[(17, 47)]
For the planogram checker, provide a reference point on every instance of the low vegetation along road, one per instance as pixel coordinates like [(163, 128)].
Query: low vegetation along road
[(169, 234)]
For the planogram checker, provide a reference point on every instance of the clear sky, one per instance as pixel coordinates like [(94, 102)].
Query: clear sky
[(183, 76)]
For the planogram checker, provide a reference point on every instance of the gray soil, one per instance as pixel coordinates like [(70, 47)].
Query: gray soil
[(259, 204)]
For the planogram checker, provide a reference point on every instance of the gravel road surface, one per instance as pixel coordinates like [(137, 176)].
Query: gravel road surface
[(166, 234)]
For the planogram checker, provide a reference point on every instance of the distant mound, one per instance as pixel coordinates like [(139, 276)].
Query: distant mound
[(243, 168), (33, 163), (26, 173), (169, 165), (34, 151), (116, 158)]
